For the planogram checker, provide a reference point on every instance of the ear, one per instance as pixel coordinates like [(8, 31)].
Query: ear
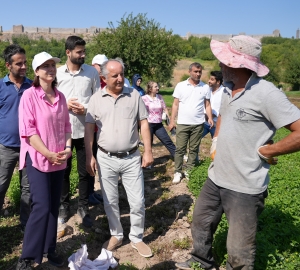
[(103, 78), (7, 65), (68, 52)]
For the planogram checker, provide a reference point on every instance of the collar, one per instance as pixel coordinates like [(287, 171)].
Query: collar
[(6, 79), (199, 84), (66, 69), (125, 91), (41, 93)]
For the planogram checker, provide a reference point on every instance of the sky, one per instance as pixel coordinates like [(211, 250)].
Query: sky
[(194, 16)]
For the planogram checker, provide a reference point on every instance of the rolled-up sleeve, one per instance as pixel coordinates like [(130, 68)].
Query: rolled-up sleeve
[(27, 122)]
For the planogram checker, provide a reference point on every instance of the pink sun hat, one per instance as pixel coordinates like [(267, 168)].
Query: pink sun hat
[(240, 52)]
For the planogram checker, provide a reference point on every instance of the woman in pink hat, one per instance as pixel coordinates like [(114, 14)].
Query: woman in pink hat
[(45, 132)]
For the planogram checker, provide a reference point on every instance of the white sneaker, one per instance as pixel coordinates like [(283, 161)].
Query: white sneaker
[(177, 178), (186, 175), (185, 158)]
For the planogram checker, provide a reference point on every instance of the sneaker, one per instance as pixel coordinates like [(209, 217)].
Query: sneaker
[(177, 178), (93, 200), (142, 249), (84, 215), (183, 265), (23, 264), (185, 158), (112, 243), (98, 197), (64, 212), (186, 175), (54, 259)]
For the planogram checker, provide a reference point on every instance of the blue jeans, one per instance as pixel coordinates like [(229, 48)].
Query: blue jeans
[(160, 132), (207, 130), (241, 210)]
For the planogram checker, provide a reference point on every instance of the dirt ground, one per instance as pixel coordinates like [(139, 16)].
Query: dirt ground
[(167, 224)]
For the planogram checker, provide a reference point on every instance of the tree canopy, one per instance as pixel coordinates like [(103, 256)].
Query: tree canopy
[(144, 46)]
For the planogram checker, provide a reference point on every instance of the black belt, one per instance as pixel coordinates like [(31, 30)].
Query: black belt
[(120, 154)]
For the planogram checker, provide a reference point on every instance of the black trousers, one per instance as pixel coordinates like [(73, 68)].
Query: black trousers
[(84, 177), (41, 227)]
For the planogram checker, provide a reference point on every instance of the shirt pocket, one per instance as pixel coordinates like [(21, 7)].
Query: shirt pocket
[(127, 112), (85, 87)]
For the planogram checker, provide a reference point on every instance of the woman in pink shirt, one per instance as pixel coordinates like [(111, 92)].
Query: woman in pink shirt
[(156, 106), (45, 132)]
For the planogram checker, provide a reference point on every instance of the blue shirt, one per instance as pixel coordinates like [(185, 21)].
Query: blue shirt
[(10, 97)]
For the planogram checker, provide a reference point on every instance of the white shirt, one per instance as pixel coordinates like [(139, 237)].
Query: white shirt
[(215, 102), (81, 85), (191, 102)]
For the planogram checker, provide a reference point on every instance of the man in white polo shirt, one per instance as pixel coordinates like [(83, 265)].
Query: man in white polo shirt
[(190, 99)]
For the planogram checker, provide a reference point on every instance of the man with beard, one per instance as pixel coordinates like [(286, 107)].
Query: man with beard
[(252, 109), (12, 87), (78, 82)]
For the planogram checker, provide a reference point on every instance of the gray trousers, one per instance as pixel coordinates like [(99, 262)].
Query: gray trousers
[(9, 156), (129, 168), (241, 210)]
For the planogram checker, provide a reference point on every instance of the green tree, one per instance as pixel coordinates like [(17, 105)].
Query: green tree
[(292, 72), (145, 47)]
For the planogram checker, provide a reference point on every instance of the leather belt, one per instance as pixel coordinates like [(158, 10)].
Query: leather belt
[(119, 154)]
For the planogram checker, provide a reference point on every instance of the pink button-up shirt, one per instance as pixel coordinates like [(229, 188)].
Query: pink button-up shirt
[(51, 122), (155, 108)]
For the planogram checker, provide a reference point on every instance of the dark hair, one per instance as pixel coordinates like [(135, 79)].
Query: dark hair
[(218, 75), (73, 41), (36, 81), (195, 64), (10, 51), (149, 87)]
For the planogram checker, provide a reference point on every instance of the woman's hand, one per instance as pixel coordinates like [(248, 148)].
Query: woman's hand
[(63, 156)]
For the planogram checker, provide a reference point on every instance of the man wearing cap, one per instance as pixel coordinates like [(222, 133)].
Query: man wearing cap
[(97, 61), (12, 87), (78, 82), (190, 98), (118, 111), (252, 109)]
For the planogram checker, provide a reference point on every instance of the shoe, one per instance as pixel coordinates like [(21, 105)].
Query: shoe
[(98, 197), (183, 265), (186, 266), (23, 264), (54, 259), (64, 212), (84, 215), (112, 243), (185, 158), (186, 175), (142, 249), (93, 200), (177, 178)]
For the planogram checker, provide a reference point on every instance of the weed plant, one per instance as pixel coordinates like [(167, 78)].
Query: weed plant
[(278, 236)]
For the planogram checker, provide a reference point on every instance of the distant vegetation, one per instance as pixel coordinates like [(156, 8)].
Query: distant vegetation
[(151, 50)]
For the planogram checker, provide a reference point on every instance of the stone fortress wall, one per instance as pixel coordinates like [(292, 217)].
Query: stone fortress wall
[(87, 33)]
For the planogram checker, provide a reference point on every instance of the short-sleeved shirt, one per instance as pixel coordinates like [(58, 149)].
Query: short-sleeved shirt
[(81, 85), (191, 102), (155, 108), (248, 121), (10, 96), (51, 122), (117, 119)]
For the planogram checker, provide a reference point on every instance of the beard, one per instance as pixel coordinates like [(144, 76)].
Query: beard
[(77, 61)]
